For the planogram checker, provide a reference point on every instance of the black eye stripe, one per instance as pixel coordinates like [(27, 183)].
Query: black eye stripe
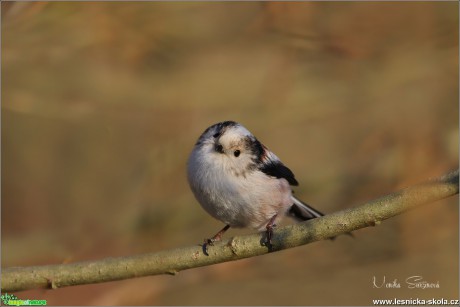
[(216, 135), (219, 148)]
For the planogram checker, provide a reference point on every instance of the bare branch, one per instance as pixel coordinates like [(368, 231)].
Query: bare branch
[(173, 261)]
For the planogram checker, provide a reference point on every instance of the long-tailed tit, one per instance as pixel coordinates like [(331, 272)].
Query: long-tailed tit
[(240, 182)]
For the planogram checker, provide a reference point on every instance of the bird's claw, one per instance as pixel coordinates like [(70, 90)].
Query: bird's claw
[(205, 245), (269, 236), (216, 238)]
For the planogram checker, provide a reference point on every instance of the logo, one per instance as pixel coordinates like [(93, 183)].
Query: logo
[(12, 300)]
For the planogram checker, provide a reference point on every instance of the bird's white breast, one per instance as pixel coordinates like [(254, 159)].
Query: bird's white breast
[(240, 199)]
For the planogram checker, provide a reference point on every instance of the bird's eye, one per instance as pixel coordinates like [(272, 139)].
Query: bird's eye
[(236, 153), (216, 135)]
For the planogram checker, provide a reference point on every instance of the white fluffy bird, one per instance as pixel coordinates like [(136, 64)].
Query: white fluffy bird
[(240, 182)]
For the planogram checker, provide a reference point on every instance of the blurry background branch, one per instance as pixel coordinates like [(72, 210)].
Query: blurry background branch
[(173, 261)]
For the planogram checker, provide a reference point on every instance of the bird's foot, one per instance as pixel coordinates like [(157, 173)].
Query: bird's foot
[(217, 237)]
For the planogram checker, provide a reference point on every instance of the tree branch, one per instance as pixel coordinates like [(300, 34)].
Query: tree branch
[(173, 261)]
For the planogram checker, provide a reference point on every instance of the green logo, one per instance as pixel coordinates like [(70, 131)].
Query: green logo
[(12, 300)]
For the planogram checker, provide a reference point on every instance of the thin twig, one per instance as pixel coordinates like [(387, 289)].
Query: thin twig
[(173, 261)]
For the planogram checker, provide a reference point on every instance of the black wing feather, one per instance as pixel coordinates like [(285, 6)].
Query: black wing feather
[(267, 162), (278, 170)]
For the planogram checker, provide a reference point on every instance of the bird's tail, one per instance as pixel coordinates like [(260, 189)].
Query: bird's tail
[(301, 211)]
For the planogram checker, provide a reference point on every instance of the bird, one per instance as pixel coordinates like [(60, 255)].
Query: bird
[(240, 182)]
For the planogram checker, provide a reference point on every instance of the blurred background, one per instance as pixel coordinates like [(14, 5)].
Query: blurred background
[(102, 103)]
